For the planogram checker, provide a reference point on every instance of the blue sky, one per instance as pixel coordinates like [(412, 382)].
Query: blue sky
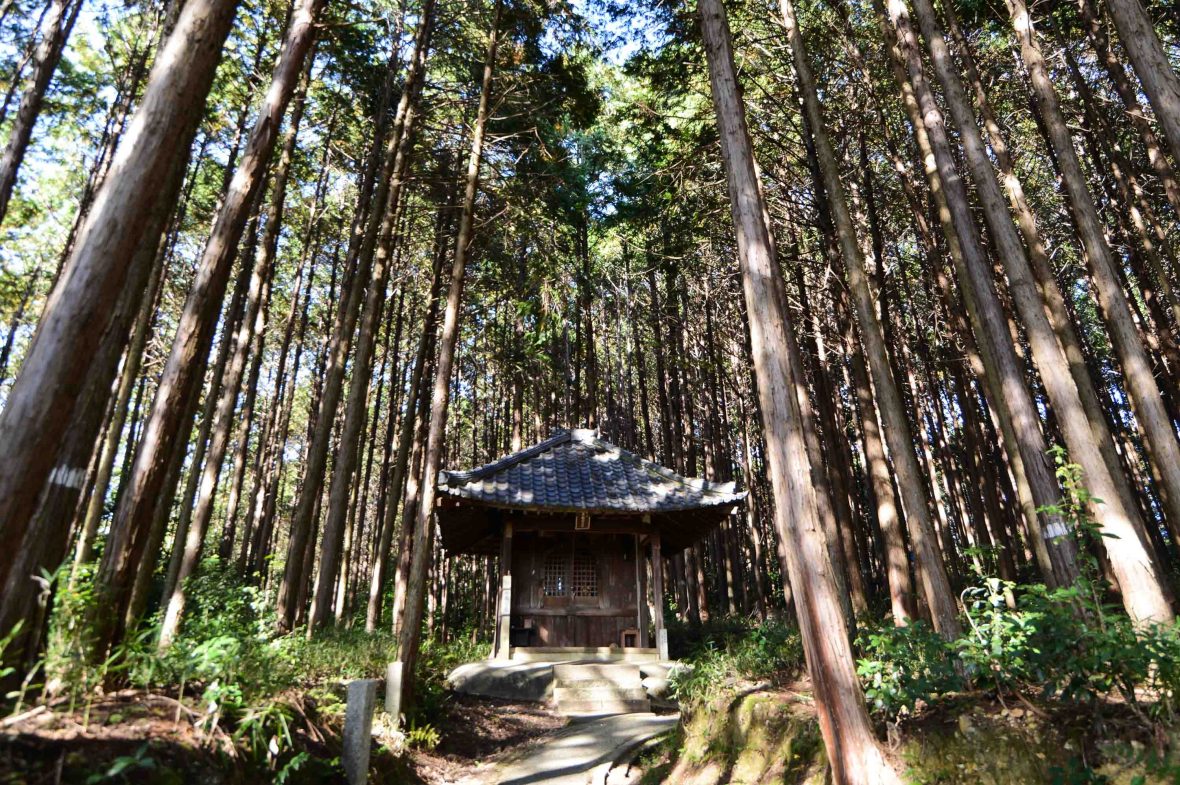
[(621, 38)]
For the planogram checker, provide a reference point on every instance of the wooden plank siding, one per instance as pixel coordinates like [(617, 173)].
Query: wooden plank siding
[(570, 618)]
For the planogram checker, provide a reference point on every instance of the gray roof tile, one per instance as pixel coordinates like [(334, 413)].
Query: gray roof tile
[(575, 470)]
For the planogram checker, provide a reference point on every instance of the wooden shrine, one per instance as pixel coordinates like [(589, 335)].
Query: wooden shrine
[(582, 528)]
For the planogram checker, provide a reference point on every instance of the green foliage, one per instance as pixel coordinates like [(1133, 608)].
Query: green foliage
[(124, 766), (422, 737), (901, 665), (734, 649), (435, 661), (1063, 643)]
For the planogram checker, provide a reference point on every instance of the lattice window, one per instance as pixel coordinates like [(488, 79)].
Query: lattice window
[(584, 576), (556, 575), (567, 575)]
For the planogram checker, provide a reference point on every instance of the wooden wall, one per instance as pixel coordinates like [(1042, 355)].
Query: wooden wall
[(571, 620)]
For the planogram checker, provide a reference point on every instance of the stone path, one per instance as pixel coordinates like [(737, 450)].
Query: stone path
[(582, 753)]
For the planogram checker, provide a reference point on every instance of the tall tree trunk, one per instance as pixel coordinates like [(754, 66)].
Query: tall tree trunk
[(55, 29), (1127, 93), (928, 561), (110, 448), (1152, 66), (362, 251), (197, 324), (416, 402), (37, 413), (852, 748), (411, 627), (1004, 374), (14, 323), (1159, 433), (248, 330), (356, 409), (1143, 593)]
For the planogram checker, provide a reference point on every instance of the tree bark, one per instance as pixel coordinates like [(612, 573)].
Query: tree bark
[(55, 29), (928, 560), (411, 628), (197, 324), (37, 413), (852, 748), (361, 257), (1151, 64), (1159, 433)]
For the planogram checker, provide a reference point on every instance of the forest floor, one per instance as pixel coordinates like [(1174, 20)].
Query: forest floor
[(135, 736), (477, 733), (747, 733)]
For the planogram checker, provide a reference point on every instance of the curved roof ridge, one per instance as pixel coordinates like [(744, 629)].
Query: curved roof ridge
[(560, 436), (577, 469)]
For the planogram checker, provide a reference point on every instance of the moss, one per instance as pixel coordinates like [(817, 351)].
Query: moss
[(768, 737), (772, 742)]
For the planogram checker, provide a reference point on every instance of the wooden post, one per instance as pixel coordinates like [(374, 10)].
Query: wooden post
[(640, 591), (503, 648), (657, 589)]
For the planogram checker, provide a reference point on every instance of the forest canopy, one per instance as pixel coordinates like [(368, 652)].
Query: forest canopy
[(906, 273)]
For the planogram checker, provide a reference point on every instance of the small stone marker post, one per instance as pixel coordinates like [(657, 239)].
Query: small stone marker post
[(393, 689), (358, 729)]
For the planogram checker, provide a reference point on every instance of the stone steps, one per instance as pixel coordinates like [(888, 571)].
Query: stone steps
[(583, 653), (593, 688)]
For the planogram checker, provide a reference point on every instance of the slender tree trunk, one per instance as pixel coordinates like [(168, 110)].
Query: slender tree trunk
[(248, 330), (361, 252), (1127, 93), (197, 323), (1151, 64), (356, 410), (1143, 593), (928, 561), (14, 324), (416, 401), (1004, 374), (852, 748), (411, 628), (55, 29), (36, 417), (1158, 430), (110, 448)]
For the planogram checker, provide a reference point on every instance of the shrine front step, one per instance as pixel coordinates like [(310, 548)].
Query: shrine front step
[(582, 689), (583, 654)]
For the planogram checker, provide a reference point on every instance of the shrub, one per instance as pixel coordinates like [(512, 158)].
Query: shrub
[(903, 665), (735, 649), (1062, 643)]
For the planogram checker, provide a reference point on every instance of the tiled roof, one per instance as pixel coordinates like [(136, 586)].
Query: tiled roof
[(576, 471)]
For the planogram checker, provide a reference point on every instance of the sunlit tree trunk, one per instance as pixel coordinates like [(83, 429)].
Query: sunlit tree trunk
[(409, 635), (1151, 63), (197, 323), (55, 29), (852, 748), (1158, 430), (361, 257), (36, 416), (928, 560)]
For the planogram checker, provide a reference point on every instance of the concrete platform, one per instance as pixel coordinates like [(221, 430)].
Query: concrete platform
[(533, 680), (584, 654), (583, 753)]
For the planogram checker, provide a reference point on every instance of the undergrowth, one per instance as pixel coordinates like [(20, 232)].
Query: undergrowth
[(1020, 643), (233, 675), (732, 649), (1023, 641)]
